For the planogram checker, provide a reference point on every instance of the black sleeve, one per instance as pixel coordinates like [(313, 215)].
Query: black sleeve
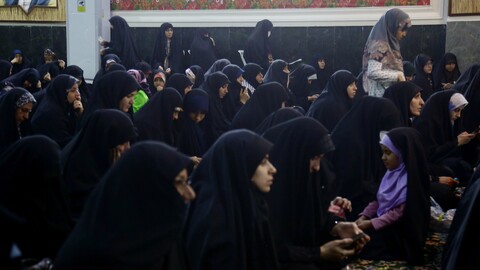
[(299, 254)]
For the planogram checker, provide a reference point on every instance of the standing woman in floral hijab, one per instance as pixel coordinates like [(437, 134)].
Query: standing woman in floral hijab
[(382, 60)]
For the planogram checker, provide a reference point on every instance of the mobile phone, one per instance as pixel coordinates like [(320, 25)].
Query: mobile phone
[(356, 238)]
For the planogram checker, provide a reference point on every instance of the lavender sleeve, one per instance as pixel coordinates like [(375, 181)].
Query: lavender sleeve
[(390, 217), (371, 210)]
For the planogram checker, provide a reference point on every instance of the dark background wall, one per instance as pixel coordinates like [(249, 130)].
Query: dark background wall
[(343, 46)]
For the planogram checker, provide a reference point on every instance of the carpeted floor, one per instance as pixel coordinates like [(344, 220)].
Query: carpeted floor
[(433, 253)]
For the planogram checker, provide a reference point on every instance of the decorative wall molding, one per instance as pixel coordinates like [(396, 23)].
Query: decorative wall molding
[(362, 16)]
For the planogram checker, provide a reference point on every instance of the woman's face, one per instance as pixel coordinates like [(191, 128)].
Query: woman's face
[(169, 33), (263, 176), (73, 94), (159, 83), (126, 102), (450, 67), (315, 163), (390, 160), (183, 187), (259, 77), (455, 114), (196, 117), (427, 68), (416, 105), (351, 90), (321, 63), (176, 112), (119, 150), (22, 113), (240, 79), (222, 91), (400, 34)]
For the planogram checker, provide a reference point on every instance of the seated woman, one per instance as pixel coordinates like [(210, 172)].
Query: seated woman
[(423, 74), (33, 212), (237, 94), (335, 100), (156, 120), (301, 225), (114, 90), (302, 83), (193, 140), (145, 195), (180, 82), (441, 141), (278, 72), (268, 98), (98, 145), (15, 107), (228, 225), (253, 77), (216, 121), (446, 72), (397, 221), (407, 97), (59, 114)]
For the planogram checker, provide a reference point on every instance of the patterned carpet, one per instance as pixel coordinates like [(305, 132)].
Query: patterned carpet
[(433, 253)]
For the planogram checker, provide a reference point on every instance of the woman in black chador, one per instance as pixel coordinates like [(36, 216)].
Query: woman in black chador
[(59, 114), (15, 107), (423, 75), (300, 197), (157, 119), (407, 97), (202, 50), (257, 49), (335, 100), (227, 225), (446, 72), (216, 121), (33, 212), (122, 43), (442, 140), (133, 219), (301, 83), (357, 158), (268, 98), (167, 52), (98, 145)]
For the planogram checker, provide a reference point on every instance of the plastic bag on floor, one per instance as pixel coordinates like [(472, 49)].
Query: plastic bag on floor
[(439, 220)]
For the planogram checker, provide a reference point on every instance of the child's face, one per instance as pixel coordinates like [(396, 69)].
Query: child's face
[(390, 160)]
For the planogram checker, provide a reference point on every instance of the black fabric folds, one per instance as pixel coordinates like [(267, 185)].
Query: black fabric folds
[(275, 73), (441, 75), (202, 49), (232, 99), (217, 122), (277, 117), (89, 155), (268, 98), (134, 217), (179, 81), (422, 79), (300, 86), (30, 190), (251, 72), (193, 140)]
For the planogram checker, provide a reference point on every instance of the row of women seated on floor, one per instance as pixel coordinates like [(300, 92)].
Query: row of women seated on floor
[(228, 223)]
